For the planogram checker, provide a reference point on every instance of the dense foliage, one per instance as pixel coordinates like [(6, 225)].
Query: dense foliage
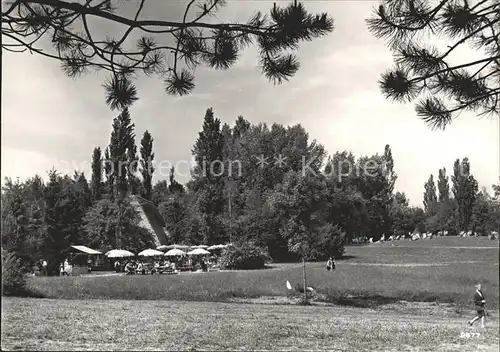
[(244, 256), (13, 279), (266, 185)]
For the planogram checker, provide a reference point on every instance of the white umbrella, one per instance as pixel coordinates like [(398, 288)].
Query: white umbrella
[(198, 251), (119, 253), (150, 253), (218, 246), (199, 246), (176, 246), (174, 252), (162, 247)]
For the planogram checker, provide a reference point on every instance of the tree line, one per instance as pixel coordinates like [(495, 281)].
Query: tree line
[(463, 207), (270, 186)]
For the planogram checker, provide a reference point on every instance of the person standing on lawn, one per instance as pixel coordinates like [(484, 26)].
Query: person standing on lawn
[(89, 265), (44, 267), (330, 264), (479, 302)]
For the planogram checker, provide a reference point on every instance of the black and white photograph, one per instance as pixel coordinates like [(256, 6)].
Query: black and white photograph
[(250, 175)]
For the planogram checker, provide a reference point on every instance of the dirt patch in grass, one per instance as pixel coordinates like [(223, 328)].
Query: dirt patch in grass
[(383, 305), (424, 264), (319, 300)]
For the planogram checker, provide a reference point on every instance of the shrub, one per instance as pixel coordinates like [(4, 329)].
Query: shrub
[(244, 256), (329, 242), (13, 278)]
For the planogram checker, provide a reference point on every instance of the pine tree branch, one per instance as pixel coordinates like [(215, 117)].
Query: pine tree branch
[(482, 68), (142, 24), (419, 69), (431, 14), (29, 47), (11, 8), (80, 51), (182, 32), (480, 3), (491, 93), (469, 36), (454, 68)]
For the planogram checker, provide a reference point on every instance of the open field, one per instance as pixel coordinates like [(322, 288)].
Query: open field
[(428, 271), (44, 324), (411, 296)]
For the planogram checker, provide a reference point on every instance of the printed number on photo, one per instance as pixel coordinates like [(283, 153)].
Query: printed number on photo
[(468, 335)]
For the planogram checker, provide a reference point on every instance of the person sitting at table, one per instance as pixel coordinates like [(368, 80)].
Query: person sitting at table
[(117, 266), (140, 268), (129, 268), (155, 268)]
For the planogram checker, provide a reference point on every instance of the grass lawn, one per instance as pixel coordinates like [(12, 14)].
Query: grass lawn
[(415, 296), (439, 270), (45, 324)]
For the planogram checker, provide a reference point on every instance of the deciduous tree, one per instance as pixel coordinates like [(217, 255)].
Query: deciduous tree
[(443, 186), (430, 196), (121, 153), (96, 181), (465, 189), (147, 168), (103, 219)]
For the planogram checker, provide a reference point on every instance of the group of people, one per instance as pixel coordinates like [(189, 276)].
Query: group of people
[(330, 264), (137, 266), (40, 268), (198, 263), (65, 268), (153, 266)]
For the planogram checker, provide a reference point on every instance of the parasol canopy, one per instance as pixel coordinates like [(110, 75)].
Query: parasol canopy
[(176, 246), (174, 252), (150, 253), (119, 253), (199, 246), (218, 246), (199, 251), (86, 250)]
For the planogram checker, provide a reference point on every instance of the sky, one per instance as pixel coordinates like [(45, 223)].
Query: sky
[(50, 120)]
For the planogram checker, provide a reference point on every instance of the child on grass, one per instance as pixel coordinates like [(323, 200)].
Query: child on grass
[(479, 302), (330, 264)]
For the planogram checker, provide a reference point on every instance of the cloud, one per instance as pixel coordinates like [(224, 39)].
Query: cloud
[(47, 117), (26, 163)]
